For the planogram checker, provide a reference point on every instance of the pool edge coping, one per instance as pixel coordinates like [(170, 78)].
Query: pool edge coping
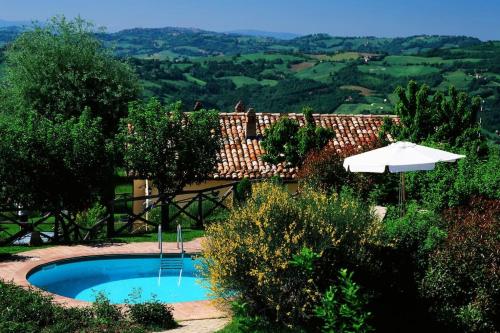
[(19, 272)]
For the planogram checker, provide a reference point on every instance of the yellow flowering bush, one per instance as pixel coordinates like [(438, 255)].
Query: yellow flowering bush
[(250, 255)]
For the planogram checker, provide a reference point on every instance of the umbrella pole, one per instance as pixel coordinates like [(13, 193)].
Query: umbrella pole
[(402, 194)]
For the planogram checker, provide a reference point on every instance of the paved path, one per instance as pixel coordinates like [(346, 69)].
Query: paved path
[(200, 326), (18, 266)]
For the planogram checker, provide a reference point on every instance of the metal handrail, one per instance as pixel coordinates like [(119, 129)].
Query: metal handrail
[(160, 241), (179, 239)]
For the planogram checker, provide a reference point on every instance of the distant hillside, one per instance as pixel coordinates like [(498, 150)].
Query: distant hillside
[(7, 34), (179, 42), (163, 43), (331, 74), (4, 23), (260, 33)]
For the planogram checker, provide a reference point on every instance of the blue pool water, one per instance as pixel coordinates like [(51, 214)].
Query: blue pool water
[(119, 277)]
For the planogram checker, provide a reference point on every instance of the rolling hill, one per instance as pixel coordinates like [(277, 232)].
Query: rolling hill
[(331, 74)]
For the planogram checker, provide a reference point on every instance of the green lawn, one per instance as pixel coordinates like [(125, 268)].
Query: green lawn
[(341, 56), (364, 108), (13, 249), (240, 81), (458, 79), (320, 72), (127, 188), (191, 78), (269, 57), (398, 71), (414, 60), (166, 54)]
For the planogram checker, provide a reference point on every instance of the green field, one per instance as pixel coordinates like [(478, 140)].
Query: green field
[(398, 70), (362, 108), (342, 56), (241, 81), (414, 60), (458, 79), (191, 78), (321, 72)]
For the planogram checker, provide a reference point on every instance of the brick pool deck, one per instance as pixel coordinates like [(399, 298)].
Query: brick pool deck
[(17, 267)]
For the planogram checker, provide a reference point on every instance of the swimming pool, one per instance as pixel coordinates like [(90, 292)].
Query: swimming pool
[(121, 278)]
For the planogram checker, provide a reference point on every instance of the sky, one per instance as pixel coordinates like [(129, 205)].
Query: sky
[(381, 18)]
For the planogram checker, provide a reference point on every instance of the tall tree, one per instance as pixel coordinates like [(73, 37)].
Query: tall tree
[(53, 165), (60, 102), (61, 68), (286, 141), (170, 147), (448, 118)]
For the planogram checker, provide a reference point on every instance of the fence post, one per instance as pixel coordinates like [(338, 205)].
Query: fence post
[(165, 213), (199, 223), (110, 223), (56, 227)]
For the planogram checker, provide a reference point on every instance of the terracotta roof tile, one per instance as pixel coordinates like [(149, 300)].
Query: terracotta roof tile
[(242, 157)]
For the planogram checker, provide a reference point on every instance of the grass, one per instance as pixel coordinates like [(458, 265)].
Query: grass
[(191, 78), (414, 60), (13, 249), (362, 90), (127, 188), (458, 79), (268, 57), (398, 71), (321, 72), (364, 108), (342, 56), (241, 81)]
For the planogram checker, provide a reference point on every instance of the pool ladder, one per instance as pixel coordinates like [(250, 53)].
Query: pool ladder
[(171, 263)]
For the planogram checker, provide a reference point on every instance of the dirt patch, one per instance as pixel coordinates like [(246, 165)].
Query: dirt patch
[(301, 66), (362, 90)]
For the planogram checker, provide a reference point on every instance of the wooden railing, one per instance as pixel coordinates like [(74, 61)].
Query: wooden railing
[(193, 207), (172, 207)]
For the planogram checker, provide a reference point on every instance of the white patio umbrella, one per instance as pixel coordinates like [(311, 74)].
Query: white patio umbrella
[(399, 157)]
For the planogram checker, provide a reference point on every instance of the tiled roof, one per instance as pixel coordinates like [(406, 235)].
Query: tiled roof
[(241, 157)]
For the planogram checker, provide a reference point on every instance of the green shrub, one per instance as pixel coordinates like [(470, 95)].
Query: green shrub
[(91, 216), (31, 311), (342, 307), (417, 232), (394, 267), (244, 322), (254, 253), (104, 311), (71, 319), (243, 190), (26, 307), (462, 280), (453, 184), (153, 315)]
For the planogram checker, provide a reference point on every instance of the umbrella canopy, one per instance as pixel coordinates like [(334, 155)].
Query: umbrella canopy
[(399, 157)]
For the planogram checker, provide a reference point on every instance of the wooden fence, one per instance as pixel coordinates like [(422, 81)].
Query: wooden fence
[(194, 206)]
